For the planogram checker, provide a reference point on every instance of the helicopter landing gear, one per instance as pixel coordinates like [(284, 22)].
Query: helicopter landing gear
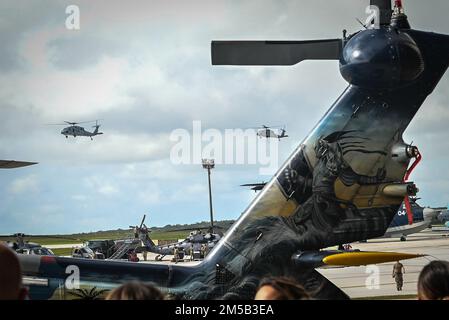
[(159, 257)]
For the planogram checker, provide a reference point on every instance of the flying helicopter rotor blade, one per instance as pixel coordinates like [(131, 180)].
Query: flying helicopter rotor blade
[(75, 123), (12, 164), (72, 123), (283, 53)]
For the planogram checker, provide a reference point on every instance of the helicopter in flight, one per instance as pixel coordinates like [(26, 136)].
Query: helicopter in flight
[(343, 183), (77, 131), (268, 132), (255, 186)]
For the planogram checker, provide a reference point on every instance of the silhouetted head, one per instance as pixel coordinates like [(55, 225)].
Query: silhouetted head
[(135, 291), (433, 282), (10, 276), (281, 288)]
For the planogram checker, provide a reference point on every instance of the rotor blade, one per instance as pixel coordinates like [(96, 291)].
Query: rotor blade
[(282, 53), (74, 123), (11, 164), (71, 123), (143, 220), (385, 10)]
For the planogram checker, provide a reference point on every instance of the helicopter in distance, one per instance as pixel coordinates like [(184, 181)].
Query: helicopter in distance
[(267, 132), (77, 131), (255, 186)]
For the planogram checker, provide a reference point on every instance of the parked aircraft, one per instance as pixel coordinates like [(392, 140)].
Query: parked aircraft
[(400, 227)]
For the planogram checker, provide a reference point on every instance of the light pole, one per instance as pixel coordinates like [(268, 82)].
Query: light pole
[(210, 164)]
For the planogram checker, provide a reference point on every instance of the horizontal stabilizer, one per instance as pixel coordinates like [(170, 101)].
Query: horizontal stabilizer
[(282, 53), (317, 259)]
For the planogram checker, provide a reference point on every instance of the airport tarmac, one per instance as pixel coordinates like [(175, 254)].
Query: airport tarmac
[(151, 258), (353, 280), (63, 246)]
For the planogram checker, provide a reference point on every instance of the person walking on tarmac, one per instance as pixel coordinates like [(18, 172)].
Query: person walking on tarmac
[(398, 271), (191, 252), (176, 254), (202, 250)]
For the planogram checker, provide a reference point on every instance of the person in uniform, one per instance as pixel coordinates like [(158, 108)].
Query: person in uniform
[(398, 271), (203, 251), (191, 252), (176, 254)]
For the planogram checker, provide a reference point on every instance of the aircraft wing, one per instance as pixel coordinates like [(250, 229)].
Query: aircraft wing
[(319, 259), (11, 164)]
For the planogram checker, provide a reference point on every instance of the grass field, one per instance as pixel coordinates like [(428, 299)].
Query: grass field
[(114, 235), (168, 233), (45, 240), (62, 251)]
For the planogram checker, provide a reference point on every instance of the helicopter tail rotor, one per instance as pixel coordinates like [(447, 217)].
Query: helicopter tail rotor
[(96, 126)]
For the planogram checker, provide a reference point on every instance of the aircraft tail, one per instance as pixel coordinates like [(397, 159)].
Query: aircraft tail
[(95, 133), (344, 183)]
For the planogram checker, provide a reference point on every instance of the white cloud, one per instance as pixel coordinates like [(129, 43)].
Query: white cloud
[(80, 197), (150, 194), (102, 186), (27, 184)]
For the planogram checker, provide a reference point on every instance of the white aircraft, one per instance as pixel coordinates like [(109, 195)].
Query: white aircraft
[(401, 227)]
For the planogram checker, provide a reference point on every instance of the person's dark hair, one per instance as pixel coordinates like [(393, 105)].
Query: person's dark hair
[(433, 281), (287, 288), (10, 275), (135, 291)]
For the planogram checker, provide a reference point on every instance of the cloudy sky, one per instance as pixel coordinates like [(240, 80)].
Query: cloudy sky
[(144, 68)]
